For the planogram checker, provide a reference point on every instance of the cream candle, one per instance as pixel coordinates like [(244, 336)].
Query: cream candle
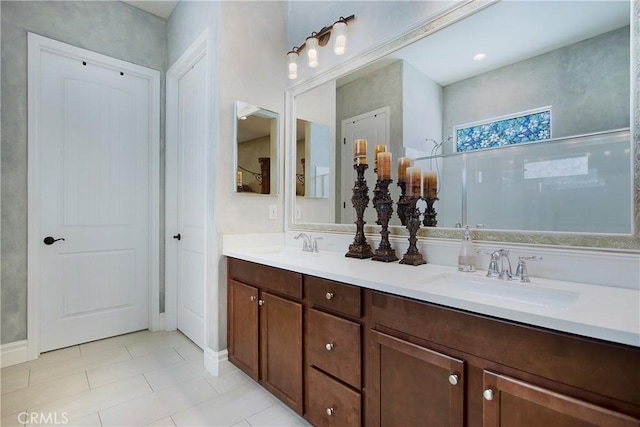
[(360, 152), (384, 165), (430, 184), (403, 164), (376, 150), (239, 179), (414, 178)]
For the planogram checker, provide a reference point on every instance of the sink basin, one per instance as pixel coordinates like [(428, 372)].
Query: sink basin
[(283, 253), (523, 293)]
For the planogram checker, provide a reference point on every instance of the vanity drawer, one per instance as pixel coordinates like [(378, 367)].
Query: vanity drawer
[(333, 345), (265, 277), (334, 295), (331, 403)]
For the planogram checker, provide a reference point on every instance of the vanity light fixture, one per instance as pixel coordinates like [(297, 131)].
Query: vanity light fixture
[(316, 40)]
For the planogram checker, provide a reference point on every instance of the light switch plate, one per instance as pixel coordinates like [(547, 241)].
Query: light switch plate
[(273, 212)]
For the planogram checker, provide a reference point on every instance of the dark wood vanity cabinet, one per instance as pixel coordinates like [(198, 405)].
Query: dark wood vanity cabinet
[(363, 357), (333, 353), (432, 365), (265, 328)]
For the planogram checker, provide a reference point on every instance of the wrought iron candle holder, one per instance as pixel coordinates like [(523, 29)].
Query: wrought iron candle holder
[(430, 213), (360, 199), (384, 207), (403, 205), (413, 255)]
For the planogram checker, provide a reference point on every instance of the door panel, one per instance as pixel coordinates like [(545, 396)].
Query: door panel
[(192, 175), (94, 137), (243, 327)]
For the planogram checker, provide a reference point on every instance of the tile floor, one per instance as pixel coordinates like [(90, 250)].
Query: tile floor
[(139, 379)]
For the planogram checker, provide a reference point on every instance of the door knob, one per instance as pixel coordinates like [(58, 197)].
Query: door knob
[(50, 240), (177, 236)]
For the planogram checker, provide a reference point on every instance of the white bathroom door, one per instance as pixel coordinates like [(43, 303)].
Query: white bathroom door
[(374, 127), (192, 175), (186, 176), (93, 136)]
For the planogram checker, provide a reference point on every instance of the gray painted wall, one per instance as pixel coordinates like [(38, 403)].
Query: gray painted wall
[(569, 79), (108, 27)]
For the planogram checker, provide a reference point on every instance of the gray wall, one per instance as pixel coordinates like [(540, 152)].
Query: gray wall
[(569, 79), (108, 27)]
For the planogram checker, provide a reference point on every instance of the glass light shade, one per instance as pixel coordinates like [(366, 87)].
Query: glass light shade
[(340, 44), (293, 65), (312, 51)]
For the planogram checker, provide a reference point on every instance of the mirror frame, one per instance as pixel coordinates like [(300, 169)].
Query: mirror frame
[(451, 16), (274, 149)]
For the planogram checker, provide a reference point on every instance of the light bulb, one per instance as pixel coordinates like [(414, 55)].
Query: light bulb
[(341, 39), (312, 51), (293, 65)]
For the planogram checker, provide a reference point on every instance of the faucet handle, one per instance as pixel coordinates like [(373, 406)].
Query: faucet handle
[(521, 274)]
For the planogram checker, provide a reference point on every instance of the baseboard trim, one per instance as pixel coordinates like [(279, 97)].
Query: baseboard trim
[(13, 353), (215, 361)]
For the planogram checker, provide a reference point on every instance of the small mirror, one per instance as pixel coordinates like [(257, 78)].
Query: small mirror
[(256, 149)]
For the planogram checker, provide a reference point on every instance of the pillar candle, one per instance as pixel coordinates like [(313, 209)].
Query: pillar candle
[(430, 184), (239, 179), (378, 149), (403, 164), (384, 165), (414, 178), (360, 152)]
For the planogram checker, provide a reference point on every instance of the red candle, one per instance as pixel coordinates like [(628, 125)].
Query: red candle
[(384, 165), (403, 164), (360, 152)]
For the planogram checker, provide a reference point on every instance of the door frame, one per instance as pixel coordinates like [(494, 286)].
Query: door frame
[(199, 49), (36, 45)]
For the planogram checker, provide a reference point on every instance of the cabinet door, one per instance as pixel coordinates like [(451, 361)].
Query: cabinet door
[(511, 402), (281, 348), (243, 327), (415, 386)]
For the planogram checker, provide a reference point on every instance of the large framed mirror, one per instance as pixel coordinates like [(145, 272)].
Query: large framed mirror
[(255, 149), (575, 185)]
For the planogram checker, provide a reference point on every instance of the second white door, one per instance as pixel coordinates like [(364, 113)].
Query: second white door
[(187, 266)]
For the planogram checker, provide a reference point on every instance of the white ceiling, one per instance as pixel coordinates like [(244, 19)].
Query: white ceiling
[(161, 8)]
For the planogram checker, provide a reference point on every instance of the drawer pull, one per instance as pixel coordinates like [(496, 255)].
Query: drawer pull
[(329, 295), (330, 411), (253, 298), (329, 346), (453, 379), (488, 394)]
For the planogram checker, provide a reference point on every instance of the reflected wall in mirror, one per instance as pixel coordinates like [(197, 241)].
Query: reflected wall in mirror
[(571, 56), (256, 149)]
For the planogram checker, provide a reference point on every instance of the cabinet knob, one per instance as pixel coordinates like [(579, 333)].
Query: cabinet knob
[(253, 298), (261, 302), (453, 379), (329, 346), (330, 411), (329, 295), (488, 394)]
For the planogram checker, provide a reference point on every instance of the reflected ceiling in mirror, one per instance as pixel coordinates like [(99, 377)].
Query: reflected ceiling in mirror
[(256, 149)]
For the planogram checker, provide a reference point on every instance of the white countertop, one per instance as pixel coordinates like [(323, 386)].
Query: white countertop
[(607, 313)]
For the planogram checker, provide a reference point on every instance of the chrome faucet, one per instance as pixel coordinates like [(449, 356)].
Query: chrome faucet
[(309, 244), (500, 266), (497, 264)]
